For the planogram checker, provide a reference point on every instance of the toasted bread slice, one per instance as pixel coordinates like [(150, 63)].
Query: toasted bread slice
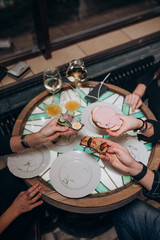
[(68, 120), (84, 141), (94, 143)]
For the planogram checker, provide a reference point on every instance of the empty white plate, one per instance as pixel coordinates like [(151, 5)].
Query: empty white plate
[(29, 163), (75, 174)]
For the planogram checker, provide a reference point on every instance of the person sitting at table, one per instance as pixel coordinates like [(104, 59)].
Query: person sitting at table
[(15, 197), (137, 220), (149, 85)]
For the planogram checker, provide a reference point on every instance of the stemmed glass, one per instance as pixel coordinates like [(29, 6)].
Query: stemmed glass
[(52, 82), (70, 101), (76, 72)]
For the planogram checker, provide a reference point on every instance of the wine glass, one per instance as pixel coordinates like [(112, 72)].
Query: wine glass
[(52, 80), (76, 71), (52, 106), (70, 101)]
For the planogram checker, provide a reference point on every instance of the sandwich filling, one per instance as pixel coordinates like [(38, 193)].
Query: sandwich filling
[(105, 117)]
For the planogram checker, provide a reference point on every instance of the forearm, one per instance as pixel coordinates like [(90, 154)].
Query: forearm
[(140, 90), (147, 180), (7, 218), (31, 139)]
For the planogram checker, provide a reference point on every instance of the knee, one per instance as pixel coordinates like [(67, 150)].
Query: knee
[(138, 210), (129, 211)]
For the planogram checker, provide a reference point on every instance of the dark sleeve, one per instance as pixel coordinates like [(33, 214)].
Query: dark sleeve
[(5, 145), (156, 136), (147, 78), (154, 194)]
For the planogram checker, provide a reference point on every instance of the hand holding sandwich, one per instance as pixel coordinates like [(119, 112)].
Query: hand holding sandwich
[(128, 123), (120, 158), (131, 123)]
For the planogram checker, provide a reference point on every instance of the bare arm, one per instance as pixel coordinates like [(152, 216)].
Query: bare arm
[(134, 99), (140, 90), (48, 133), (24, 202)]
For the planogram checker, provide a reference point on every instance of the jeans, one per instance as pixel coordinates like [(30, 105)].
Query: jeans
[(137, 221)]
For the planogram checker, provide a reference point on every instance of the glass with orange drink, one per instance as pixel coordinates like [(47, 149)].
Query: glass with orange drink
[(52, 107), (70, 101)]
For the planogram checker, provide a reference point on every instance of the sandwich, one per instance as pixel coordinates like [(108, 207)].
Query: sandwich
[(95, 144), (106, 118), (70, 121)]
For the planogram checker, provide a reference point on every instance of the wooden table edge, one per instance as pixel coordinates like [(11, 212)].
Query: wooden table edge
[(95, 204)]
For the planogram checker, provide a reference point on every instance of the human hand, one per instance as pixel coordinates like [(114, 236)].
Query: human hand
[(120, 158), (128, 123), (134, 101), (52, 130), (27, 200)]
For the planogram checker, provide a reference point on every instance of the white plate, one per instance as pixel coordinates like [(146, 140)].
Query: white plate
[(135, 147), (75, 174), (29, 163), (86, 117)]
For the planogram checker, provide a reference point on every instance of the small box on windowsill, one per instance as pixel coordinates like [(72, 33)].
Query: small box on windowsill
[(19, 70)]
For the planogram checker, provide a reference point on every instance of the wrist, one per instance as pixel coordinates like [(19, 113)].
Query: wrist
[(13, 211), (139, 124), (34, 139), (142, 126), (136, 168), (140, 90), (139, 176), (137, 94)]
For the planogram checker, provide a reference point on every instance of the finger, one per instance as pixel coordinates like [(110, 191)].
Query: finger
[(57, 134), (32, 188), (34, 192), (21, 193), (104, 157), (115, 133), (139, 104), (118, 150), (112, 144), (35, 198), (54, 120), (133, 108), (59, 128), (68, 132), (127, 99), (109, 142), (36, 204)]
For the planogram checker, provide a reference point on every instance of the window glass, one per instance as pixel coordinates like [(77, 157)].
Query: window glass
[(68, 17), (16, 28)]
